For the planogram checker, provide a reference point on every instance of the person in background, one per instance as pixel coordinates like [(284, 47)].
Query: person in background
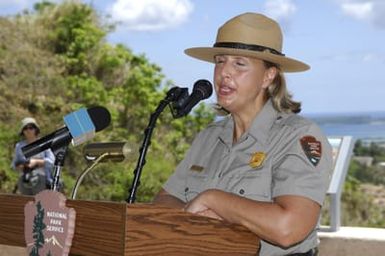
[(262, 165), (35, 172)]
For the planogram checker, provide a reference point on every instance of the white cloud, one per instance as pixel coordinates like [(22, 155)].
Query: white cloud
[(369, 57), (361, 11), (371, 11), (376, 58), (280, 10), (145, 15)]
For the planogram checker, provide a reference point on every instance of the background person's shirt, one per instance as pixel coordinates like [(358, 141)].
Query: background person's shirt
[(47, 155)]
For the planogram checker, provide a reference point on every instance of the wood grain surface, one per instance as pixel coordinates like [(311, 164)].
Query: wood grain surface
[(111, 228)]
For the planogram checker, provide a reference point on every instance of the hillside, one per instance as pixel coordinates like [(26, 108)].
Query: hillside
[(377, 192), (54, 60)]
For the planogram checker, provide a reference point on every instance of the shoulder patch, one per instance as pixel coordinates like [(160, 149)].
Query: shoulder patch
[(312, 148)]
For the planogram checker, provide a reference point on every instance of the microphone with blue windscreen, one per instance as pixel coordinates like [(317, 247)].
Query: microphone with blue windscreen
[(81, 126)]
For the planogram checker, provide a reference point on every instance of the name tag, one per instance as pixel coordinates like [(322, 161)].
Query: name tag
[(196, 168)]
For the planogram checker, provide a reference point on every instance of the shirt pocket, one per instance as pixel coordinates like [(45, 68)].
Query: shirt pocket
[(195, 184), (255, 185)]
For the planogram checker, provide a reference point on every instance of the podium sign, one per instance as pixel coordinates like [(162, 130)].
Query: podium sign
[(49, 225)]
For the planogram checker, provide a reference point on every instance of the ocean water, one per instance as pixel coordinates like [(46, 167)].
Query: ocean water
[(365, 126), (358, 131)]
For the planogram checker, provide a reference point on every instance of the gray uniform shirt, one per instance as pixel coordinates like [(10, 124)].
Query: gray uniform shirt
[(281, 154)]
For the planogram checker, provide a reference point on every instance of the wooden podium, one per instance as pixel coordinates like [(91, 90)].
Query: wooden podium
[(110, 228)]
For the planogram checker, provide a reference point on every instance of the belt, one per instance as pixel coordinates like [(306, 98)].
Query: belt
[(311, 252)]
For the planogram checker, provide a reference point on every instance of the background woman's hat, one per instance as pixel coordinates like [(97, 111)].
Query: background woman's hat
[(250, 35), (26, 121)]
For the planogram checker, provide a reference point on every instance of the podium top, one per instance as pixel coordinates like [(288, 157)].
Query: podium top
[(111, 228)]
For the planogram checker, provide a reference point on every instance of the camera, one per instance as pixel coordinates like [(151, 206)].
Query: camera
[(26, 170)]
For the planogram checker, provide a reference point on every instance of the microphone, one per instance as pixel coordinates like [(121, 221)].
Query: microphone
[(177, 96), (81, 125), (112, 151), (202, 90)]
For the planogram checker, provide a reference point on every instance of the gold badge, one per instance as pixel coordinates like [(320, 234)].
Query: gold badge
[(196, 168), (257, 159)]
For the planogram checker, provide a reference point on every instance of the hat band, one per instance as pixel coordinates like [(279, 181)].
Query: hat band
[(251, 47)]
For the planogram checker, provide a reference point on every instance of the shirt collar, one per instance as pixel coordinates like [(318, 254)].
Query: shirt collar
[(263, 122), (228, 131), (259, 129)]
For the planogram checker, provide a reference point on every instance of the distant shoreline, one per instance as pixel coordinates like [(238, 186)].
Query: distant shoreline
[(355, 113), (366, 126), (348, 118)]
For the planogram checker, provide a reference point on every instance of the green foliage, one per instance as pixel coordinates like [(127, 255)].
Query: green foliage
[(370, 174), (8, 177), (373, 150), (40, 6), (358, 208), (85, 90), (374, 174), (74, 34), (358, 204), (154, 174), (55, 60)]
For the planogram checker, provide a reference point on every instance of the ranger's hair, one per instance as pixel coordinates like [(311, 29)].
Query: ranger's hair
[(280, 96)]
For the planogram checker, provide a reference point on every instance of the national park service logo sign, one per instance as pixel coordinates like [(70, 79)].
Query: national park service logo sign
[(49, 226)]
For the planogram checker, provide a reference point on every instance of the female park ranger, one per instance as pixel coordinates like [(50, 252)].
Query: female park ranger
[(261, 166)]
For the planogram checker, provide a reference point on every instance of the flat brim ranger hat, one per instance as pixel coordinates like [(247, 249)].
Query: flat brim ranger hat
[(250, 35)]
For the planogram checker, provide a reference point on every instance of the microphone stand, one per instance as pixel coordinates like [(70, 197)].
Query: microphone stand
[(172, 95), (60, 154)]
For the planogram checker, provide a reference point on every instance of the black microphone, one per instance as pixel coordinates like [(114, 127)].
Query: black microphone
[(80, 126), (202, 90), (177, 96)]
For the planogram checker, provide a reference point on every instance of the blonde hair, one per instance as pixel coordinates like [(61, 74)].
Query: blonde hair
[(280, 96)]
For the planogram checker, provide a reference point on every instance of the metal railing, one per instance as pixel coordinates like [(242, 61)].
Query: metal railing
[(342, 153)]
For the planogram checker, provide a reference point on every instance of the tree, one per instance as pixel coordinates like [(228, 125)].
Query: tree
[(37, 230)]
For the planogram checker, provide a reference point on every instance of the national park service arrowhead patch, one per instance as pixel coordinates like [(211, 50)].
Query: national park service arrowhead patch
[(312, 149)]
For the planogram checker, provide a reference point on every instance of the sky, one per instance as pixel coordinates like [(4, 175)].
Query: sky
[(342, 40)]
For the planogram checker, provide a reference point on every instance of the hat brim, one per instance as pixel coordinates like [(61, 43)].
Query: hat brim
[(286, 64)]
